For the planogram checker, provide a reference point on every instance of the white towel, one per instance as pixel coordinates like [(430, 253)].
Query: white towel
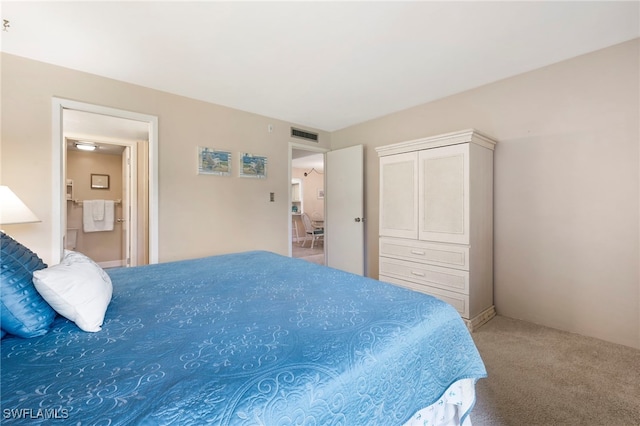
[(97, 209), (91, 225)]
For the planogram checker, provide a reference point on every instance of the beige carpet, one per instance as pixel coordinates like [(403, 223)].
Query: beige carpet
[(313, 255), (541, 376)]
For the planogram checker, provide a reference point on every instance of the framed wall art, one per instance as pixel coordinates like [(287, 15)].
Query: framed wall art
[(253, 166), (99, 181), (213, 162)]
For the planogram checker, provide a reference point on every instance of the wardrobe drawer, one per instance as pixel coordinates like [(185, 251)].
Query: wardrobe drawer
[(460, 302), (433, 276), (447, 255)]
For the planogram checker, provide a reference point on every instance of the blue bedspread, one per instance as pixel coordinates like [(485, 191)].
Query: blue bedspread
[(251, 338)]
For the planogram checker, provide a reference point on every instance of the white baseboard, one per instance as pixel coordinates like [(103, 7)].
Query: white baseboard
[(111, 264), (481, 319)]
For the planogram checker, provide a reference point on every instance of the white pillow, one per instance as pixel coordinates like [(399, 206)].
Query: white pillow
[(77, 288)]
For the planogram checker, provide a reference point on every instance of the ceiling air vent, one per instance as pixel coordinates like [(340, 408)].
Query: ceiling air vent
[(303, 134)]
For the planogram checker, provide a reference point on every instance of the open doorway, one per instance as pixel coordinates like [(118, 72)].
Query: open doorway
[(343, 203), (102, 203), (131, 139), (307, 205), (104, 147)]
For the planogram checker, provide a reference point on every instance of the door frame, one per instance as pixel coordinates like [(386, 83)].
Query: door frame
[(301, 147), (59, 162)]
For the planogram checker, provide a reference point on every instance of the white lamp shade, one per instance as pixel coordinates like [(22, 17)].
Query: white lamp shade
[(13, 210)]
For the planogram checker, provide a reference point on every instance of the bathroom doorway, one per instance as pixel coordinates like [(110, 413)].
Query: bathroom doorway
[(132, 139), (307, 199), (102, 207)]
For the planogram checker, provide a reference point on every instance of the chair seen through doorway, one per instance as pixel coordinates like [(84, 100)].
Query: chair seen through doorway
[(311, 231)]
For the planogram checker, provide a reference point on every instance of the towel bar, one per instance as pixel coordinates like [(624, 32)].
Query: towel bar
[(79, 202)]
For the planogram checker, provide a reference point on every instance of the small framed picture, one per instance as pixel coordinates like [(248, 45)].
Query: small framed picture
[(212, 162), (253, 166), (99, 181), (320, 194)]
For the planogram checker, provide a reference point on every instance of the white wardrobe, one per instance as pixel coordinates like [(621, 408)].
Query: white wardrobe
[(436, 220)]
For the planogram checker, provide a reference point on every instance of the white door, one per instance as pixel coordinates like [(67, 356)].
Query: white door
[(124, 219), (344, 199), (128, 218)]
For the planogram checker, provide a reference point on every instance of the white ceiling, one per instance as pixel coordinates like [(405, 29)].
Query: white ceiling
[(324, 65)]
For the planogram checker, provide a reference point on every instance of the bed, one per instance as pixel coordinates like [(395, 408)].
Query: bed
[(251, 338)]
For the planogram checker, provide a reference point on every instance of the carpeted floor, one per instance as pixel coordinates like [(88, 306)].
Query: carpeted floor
[(542, 376), (314, 255)]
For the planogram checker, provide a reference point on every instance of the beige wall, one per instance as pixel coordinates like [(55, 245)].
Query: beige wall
[(566, 187), (100, 246), (199, 215)]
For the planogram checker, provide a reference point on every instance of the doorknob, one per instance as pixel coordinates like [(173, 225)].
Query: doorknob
[(119, 220), (357, 219)]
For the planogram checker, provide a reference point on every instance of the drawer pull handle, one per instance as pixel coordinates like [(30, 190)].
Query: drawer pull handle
[(421, 253), (420, 274)]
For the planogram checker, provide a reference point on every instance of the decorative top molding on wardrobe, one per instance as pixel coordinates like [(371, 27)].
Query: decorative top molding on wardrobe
[(464, 136)]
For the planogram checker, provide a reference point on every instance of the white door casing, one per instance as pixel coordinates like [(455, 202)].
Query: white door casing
[(59, 171), (344, 204)]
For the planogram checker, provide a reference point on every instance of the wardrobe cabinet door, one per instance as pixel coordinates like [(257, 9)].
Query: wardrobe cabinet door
[(399, 195), (444, 194)]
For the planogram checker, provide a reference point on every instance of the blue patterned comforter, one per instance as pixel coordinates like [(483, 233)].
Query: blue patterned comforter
[(244, 339)]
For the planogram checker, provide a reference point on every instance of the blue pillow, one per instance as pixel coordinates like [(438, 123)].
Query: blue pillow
[(23, 311)]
